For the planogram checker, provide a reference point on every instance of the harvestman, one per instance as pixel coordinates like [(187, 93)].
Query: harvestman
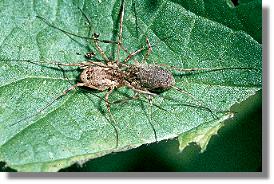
[(143, 78)]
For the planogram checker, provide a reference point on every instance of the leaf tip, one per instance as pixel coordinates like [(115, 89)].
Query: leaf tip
[(202, 134)]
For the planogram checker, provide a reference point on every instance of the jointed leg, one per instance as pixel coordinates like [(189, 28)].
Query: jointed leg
[(188, 94), (87, 19), (150, 98), (106, 99), (50, 103), (122, 11), (132, 54), (139, 90), (81, 65), (206, 69), (95, 39), (99, 49), (79, 36), (111, 116), (148, 51), (138, 51), (89, 23), (134, 97)]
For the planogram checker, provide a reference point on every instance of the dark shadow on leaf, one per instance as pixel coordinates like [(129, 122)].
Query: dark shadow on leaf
[(151, 6)]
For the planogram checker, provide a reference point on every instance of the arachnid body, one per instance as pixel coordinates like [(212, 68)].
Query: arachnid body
[(143, 78)]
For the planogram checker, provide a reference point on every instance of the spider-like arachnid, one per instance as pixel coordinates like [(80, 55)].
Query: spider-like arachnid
[(143, 78)]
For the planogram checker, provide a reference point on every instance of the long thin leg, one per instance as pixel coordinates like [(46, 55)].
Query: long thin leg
[(99, 49), (134, 97), (82, 64), (64, 75), (188, 94), (106, 98), (132, 55), (50, 103), (95, 38), (138, 51), (200, 103), (64, 31), (189, 105), (148, 51), (139, 90), (87, 19), (111, 116), (84, 37), (207, 69), (120, 30), (150, 98), (104, 41), (73, 34)]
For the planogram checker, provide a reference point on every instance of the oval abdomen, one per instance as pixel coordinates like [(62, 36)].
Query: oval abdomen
[(155, 78)]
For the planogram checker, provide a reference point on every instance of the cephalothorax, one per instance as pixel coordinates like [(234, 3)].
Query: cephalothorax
[(102, 77)]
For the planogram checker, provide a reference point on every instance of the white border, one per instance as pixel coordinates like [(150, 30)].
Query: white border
[(250, 179)]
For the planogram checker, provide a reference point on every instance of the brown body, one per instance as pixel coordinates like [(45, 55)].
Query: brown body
[(142, 77), (102, 78), (154, 78)]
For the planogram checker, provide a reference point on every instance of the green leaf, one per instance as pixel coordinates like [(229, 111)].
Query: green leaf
[(247, 16), (78, 127), (202, 134)]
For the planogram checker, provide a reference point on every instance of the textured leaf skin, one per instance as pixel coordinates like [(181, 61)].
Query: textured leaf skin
[(77, 128), (247, 16)]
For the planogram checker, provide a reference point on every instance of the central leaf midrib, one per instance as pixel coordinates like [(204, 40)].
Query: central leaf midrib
[(33, 77)]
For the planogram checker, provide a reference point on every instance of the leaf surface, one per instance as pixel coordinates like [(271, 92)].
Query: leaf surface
[(246, 16), (77, 127)]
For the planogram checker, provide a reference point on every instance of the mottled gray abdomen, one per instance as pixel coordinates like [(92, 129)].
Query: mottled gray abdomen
[(155, 78)]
